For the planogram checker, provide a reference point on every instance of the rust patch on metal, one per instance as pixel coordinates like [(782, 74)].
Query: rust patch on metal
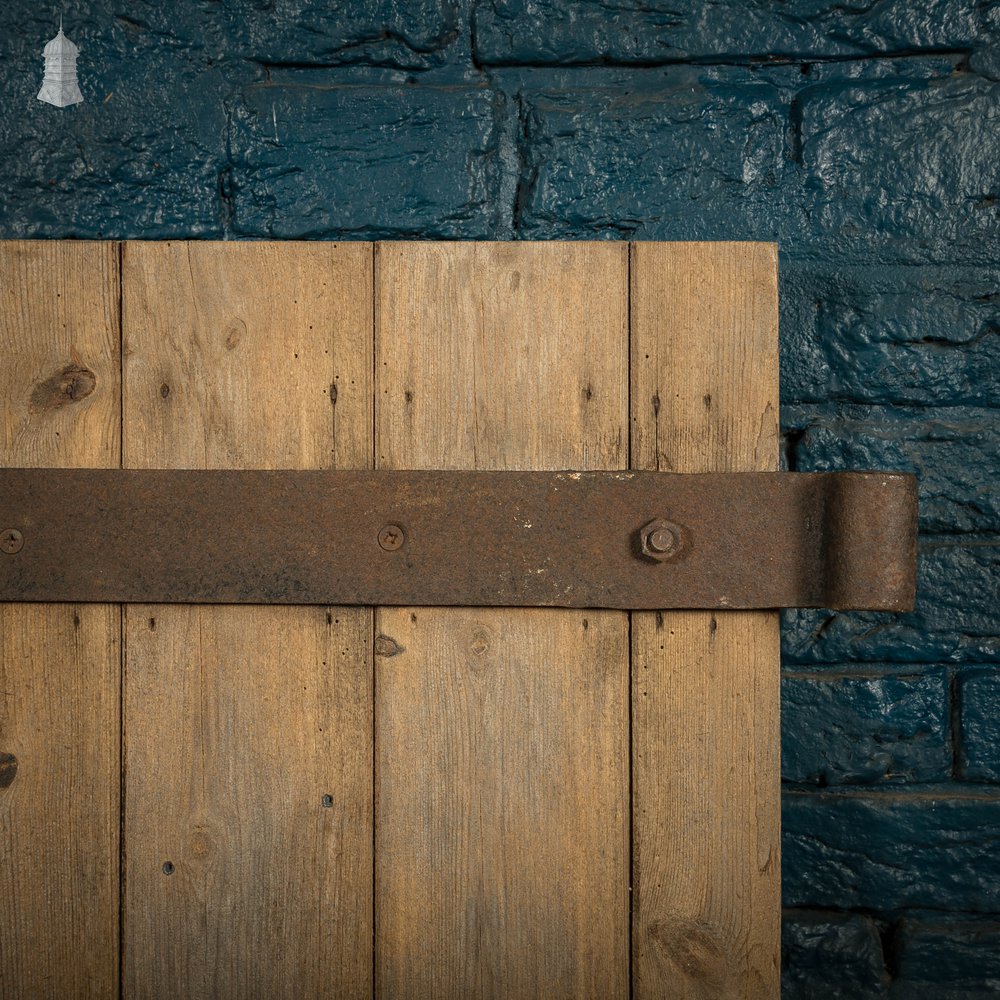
[(488, 539), (69, 385)]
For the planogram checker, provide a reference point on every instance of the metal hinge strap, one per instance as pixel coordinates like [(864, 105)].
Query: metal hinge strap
[(629, 540)]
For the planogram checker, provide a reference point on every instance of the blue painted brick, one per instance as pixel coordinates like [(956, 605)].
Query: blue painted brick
[(979, 726), (919, 335), (833, 956), (948, 448), (947, 960), (594, 31), (891, 850), (307, 33), (260, 35), (721, 153), (957, 618), (902, 169), (364, 161), (142, 157), (683, 154), (842, 729)]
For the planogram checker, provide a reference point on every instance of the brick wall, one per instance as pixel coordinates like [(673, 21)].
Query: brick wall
[(864, 138)]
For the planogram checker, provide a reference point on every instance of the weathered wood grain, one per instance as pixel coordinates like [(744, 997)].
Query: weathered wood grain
[(502, 793), (705, 740), (60, 665), (248, 730), (501, 735)]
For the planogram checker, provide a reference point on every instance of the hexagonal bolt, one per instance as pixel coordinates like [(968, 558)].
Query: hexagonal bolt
[(11, 541), (660, 540), (391, 537)]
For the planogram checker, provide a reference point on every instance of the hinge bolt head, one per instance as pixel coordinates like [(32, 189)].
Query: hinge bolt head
[(660, 540), (11, 540), (391, 537)]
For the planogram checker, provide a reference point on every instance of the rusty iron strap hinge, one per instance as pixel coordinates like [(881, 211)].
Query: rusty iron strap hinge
[(626, 540)]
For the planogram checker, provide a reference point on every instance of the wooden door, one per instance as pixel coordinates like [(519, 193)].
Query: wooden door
[(394, 802)]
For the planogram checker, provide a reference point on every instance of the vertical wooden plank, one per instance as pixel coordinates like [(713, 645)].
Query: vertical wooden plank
[(501, 735), (60, 665), (706, 865), (248, 730)]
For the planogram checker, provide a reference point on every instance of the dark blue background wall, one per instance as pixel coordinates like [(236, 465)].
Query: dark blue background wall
[(863, 137)]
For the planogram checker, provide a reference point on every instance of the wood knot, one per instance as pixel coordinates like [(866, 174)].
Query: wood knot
[(694, 953), (481, 641), (386, 646), (8, 769), (235, 333), (201, 846), (68, 385)]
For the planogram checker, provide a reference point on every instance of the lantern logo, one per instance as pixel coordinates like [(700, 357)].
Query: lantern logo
[(60, 87)]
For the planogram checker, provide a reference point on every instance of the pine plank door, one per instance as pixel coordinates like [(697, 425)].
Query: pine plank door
[(60, 665), (394, 802), (247, 730)]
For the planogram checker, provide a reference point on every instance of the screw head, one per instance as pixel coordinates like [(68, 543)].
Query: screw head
[(660, 540), (11, 540), (391, 537)]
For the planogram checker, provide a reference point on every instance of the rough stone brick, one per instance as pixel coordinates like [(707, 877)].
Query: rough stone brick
[(948, 448), (295, 34), (891, 850), (302, 33), (684, 155), (594, 31), (833, 956), (141, 157), (947, 960), (364, 161), (882, 165), (838, 729), (902, 169), (928, 335), (957, 617), (979, 726)]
